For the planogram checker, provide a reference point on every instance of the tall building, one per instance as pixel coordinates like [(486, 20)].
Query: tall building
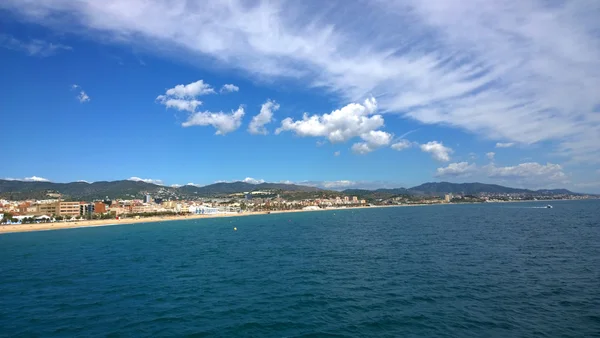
[(148, 199), (69, 209), (87, 209)]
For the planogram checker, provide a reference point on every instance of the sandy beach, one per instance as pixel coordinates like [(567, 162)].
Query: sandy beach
[(110, 222)]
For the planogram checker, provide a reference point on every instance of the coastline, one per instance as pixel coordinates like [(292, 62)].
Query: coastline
[(14, 228)]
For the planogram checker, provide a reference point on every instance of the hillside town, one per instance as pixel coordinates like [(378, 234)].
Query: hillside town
[(50, 210)]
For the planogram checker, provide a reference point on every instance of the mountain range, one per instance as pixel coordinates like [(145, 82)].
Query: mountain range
[(20, 190)]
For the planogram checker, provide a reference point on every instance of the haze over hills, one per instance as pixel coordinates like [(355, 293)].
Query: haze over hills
[(127, 189)]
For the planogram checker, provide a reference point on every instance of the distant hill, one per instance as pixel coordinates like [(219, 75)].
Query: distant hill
[(226, 188), (20, 190), (441, 188), (437, 188)]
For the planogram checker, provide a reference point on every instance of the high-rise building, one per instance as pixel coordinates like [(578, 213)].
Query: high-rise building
[(148, 199)]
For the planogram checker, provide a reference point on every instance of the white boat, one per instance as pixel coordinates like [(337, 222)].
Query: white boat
[(548, 206)]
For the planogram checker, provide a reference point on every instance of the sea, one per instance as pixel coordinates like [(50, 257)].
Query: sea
[(479, 270)]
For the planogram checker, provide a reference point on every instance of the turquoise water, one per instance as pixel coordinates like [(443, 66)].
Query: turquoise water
[(495, 270)]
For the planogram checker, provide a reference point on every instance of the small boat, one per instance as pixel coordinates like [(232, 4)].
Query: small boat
[(548, 206)]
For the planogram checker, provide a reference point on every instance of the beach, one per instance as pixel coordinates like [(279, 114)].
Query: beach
[(8, 228)]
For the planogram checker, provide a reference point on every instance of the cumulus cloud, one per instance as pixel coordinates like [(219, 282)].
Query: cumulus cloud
[(338, 126), (190, 90), (401, 145), (224, 123), (229, 88), (490, 155), (176, 185), (437, 150), (147, 180), (253, 180), (504, 145), (184, 97), (519, 71), (373, 139), (257, 125), (353, 120), (33, 47), (456, 170), (189, 105)]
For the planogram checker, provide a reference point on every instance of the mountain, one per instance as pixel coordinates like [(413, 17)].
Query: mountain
[(225, 188), (438, 188), (20, 190)]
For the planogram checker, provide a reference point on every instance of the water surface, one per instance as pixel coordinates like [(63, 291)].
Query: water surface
[(493, 270)]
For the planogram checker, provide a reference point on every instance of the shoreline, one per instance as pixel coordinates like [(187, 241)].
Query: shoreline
[(15, 228)]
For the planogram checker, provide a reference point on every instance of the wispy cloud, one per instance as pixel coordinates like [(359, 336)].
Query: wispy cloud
[(490, 155), (337, 153), (461, 169), (530, 174), (33, 47), (82, 96), (28, 179), (517, 71), (504, 145), (257, 125)]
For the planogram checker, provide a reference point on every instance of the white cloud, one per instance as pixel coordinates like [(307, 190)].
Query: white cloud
[(548, 172), (224, 123), (35, 179), (374, 139), (198, 185), (437, 150), (176, 185), (456, 169), (190, 90), (504, 145), (337, 184), (184, 97), (353, 120), (339, 125), (337, 153), (257, 125), (83, 97), (253, 180), (490, 155), (189, 105), (519, 71), (33, 47), (147, 180), (229, 88), (401, 145), (84, 181)]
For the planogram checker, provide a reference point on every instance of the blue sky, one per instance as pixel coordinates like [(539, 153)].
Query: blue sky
[(395, 93)]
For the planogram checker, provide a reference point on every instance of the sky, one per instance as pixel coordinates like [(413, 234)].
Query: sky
[(337, 94)]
